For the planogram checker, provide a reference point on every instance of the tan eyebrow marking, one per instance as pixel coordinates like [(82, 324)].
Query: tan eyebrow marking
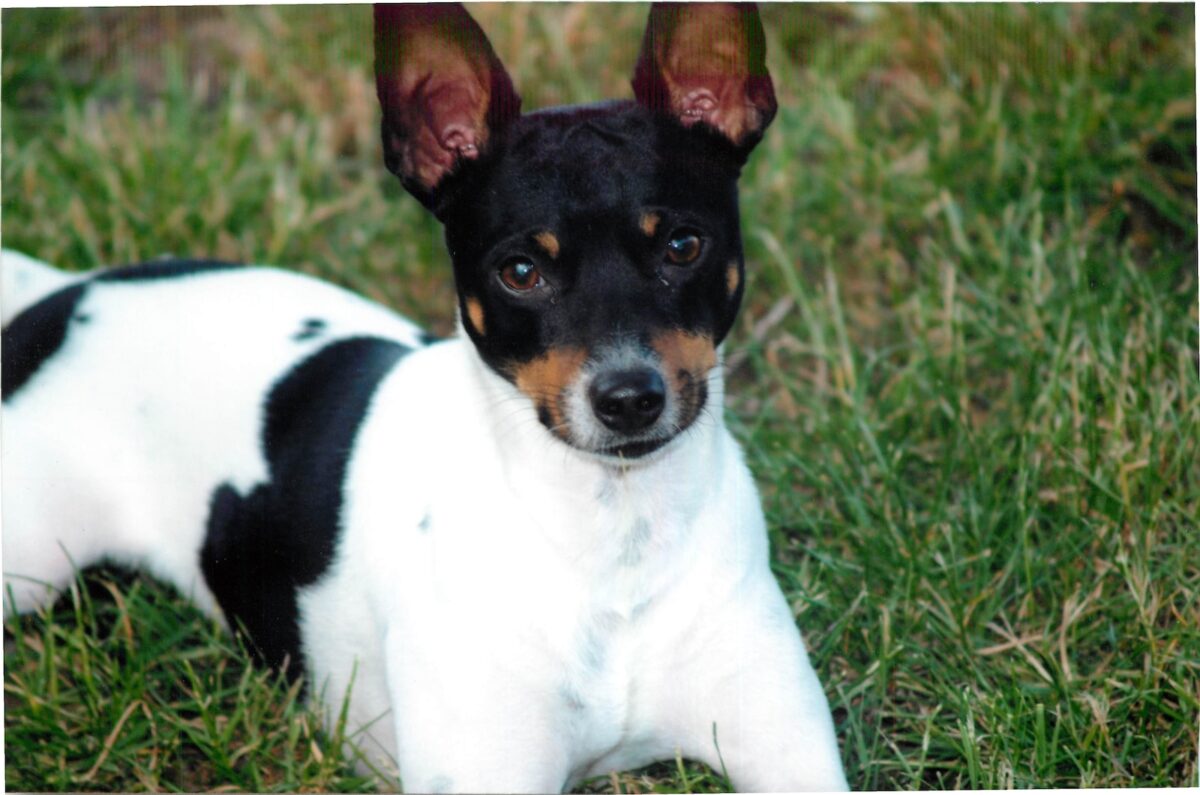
[(732, 278), (649, 223), (475, 316), (549, 242)]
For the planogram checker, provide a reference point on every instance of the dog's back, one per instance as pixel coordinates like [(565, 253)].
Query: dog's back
[(129, 394), (24, 281)]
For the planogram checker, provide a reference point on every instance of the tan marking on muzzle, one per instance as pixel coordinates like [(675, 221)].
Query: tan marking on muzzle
[(686, 359), (681, 352), (475, 316), (732, 278), (545, 378), (548, 242), (649, 223)]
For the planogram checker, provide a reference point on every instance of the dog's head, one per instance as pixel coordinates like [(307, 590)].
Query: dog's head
[(597, 250)]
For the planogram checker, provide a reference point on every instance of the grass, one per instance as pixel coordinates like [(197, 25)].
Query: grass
[(965, 376)]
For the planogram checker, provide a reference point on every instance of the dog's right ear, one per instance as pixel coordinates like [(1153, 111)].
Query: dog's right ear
[(443, 92)]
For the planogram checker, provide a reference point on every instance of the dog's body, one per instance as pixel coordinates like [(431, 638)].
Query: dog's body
[(531, 553)]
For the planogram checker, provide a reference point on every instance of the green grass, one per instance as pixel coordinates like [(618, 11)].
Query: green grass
[(965, 375)]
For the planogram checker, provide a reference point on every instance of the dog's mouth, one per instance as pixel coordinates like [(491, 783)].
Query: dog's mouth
[(635, 450)]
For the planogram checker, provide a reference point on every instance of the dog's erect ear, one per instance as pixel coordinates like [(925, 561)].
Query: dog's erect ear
[(443, 91), (706, 62)]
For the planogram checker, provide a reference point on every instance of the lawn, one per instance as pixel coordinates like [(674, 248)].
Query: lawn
[(965, 375)]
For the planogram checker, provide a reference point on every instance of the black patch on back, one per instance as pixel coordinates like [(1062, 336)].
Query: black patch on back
[(164, 269), (428, 338), (34, 336), (260, 548), (312, 327)]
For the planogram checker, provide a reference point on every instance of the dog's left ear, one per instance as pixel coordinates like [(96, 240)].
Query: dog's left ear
[(706, 62), (443, 92)]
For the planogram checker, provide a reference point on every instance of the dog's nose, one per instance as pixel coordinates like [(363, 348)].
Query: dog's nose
[(628, 400)]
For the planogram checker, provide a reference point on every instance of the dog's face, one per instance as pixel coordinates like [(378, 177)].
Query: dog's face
[(596, 249), (598, 262)]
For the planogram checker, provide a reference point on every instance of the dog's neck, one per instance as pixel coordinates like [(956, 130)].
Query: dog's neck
[(603, 500)]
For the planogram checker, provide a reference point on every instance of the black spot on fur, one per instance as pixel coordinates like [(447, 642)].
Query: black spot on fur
[(164, 269), (312, 327), (261, 547), (428, 339), (34, 336)]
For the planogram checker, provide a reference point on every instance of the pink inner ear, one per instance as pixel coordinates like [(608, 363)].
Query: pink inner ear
[(698, 105), (458, 138), (442, 89), (704, 62), (448, 114), (455, 112), (442, 121)]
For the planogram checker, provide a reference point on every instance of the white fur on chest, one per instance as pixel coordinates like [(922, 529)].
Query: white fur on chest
[(471, 534)]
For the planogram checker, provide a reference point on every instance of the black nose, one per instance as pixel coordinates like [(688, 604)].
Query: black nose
[(628, 400)]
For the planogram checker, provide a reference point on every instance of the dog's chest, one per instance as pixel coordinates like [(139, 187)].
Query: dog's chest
[(617, 540), (627, 577), (478, 548), (613, 638)]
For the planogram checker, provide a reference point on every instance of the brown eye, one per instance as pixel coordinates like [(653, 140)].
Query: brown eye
[(520, 275), (683, 247)]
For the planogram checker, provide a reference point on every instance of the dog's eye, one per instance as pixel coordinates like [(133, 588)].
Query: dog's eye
[(520, 275), (683, 247)]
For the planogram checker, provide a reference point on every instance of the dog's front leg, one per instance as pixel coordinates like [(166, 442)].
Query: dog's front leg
[(748, 701), (467, 724)]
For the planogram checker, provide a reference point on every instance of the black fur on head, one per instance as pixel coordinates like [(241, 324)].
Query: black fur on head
[(579, 231)]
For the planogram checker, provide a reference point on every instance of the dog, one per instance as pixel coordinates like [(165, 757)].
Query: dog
[(522, 556)]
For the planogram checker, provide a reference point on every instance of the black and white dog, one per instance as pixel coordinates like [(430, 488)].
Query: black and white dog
[(533, 550)]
